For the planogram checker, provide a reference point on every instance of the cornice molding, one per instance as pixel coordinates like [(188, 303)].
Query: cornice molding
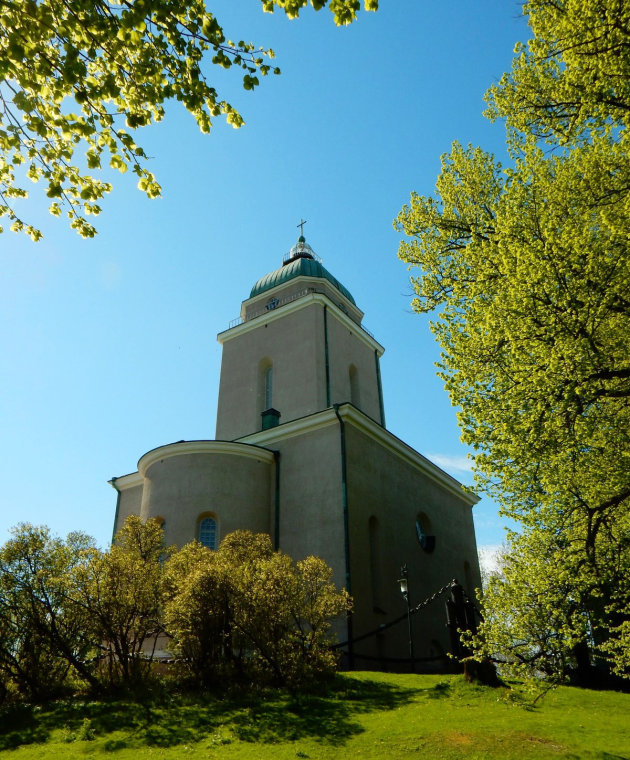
[(291, 308), (232, 448), (367, 425), (291, 429), (353, 416), (124, 482)]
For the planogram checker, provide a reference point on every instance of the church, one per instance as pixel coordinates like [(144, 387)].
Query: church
[(302, 453)]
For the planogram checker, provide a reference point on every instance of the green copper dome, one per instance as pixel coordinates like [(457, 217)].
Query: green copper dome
[(300, 262)]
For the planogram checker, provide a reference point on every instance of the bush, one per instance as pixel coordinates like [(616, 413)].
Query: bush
[(247, 612)]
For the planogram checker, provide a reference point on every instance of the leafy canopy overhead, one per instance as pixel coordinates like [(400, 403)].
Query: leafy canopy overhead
[(572, 79), (77, 77), (526, 271)]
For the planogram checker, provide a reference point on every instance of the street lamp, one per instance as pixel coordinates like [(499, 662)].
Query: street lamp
[(404, 590)]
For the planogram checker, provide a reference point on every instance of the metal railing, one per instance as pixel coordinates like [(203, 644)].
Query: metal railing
[(384, 626), (279, 303)]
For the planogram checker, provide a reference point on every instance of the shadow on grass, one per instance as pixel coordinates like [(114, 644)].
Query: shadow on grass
[(21, 725), (329, 717), (270, 717), (440, 690)]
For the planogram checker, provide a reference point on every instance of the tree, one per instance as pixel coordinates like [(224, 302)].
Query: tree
[(43, 634), (77, 77), (528, 266), (120, 592), (543, 608), (572, 79)]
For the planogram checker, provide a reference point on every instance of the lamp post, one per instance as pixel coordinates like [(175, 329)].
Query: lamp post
[(404, 590)]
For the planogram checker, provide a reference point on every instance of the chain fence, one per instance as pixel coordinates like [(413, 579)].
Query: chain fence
[(413, 610)]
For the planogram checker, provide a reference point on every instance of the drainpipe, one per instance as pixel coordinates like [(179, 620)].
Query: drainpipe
[(276, 531), (346, 529), (112, 483), (380, 387), (326, 356)]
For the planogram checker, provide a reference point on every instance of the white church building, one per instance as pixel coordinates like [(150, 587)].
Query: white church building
[(302, 453)]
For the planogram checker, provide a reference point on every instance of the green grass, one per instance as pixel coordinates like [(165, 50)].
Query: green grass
[(364, 715)]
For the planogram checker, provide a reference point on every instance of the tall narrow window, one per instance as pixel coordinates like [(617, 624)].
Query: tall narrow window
[(375, 562), (423, 533), (208, 532), (355, 397), (269, 387)]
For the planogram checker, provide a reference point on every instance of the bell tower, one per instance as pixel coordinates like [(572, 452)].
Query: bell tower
[(297, 348)]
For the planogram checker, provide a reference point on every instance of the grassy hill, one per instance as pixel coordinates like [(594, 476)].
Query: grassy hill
[(364, 715)]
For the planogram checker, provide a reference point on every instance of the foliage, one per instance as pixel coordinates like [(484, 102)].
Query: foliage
[(528, 266), (283, 611), (42, 634), (120, 592), (248, 611), (618, 647), (572, 79), (196, 612), (70, 613), (539, 609), (77, 78)]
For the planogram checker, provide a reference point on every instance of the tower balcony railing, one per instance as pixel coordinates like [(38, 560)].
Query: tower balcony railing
[(277, 303), (274, 304)]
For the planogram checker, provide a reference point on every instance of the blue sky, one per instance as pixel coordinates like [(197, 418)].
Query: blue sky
[(108, 346)]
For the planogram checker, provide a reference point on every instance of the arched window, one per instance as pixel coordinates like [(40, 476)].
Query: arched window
[(208, 532), (424, 533), (355, 396), (268, 387), (375, 563), (265, 384)]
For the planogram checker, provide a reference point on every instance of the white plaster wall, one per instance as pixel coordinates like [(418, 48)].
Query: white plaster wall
[(130, 502), (382, 484), (179, 489), (295, 347), (346, 348)]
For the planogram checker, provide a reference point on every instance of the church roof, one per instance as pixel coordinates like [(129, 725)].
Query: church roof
[(300, 262)]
